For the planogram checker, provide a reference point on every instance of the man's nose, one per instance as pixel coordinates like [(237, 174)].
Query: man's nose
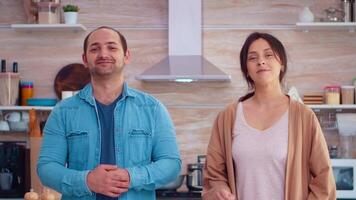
[(103, 53)]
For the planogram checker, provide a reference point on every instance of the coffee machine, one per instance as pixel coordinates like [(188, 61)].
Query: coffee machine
[(14, 169), (195, 174)]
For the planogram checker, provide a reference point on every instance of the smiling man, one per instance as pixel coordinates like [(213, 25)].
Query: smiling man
[(109, 141)]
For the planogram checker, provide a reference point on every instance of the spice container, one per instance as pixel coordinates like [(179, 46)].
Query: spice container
[(26, 92), (332, 95), (347, 94)]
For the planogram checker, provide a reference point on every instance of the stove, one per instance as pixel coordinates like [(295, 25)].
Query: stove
[(175, 195)]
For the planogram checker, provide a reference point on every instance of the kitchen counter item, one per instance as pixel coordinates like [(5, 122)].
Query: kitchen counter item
[(71, 77), (346, 123), (194, 180), (347, 8), (332, 95), (26, 91), (9, 88), (41, 102), (333, 15), (347, 94), (313, 98)]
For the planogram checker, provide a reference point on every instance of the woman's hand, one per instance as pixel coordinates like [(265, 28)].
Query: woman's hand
[(224, 194)]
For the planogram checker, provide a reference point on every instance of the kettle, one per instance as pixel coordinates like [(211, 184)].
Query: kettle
[(195, 174)]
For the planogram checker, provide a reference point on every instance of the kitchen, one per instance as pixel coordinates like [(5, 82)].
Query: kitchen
[(317, 58)]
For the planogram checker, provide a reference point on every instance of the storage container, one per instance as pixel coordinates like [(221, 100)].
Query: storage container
[(332, 95), (347, 94)]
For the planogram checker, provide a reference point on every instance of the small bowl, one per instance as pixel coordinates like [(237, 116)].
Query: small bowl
[(18, 126)]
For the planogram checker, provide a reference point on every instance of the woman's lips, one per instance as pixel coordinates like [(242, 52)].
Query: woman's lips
[(263, 70)]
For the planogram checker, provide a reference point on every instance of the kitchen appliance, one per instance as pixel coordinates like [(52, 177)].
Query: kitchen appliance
[(185, 61), (195, 174), (344, 172), (14, 169)]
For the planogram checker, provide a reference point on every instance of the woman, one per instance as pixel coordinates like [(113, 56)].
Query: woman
[(266, 145)]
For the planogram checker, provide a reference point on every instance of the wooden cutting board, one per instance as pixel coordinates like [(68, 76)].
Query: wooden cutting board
[(71, 77)]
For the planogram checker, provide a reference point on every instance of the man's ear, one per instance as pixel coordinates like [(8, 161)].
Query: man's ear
[(84, 58), (127, 57)]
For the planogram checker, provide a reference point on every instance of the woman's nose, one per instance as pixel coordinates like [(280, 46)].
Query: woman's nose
[(261, 62)]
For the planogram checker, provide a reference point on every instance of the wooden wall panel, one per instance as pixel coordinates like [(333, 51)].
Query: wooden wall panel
[(316, 58)]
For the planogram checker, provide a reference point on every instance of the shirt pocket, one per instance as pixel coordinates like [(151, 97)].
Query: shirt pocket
[(140, 146), (78, 147)]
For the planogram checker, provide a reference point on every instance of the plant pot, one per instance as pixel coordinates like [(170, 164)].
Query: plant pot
[(70, 17)]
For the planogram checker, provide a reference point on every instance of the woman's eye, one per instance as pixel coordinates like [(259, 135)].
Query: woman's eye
[(252, 58), (269, 55)]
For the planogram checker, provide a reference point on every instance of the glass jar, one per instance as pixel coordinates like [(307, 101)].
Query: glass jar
[(26, 91), (332, 95), (347, 94)]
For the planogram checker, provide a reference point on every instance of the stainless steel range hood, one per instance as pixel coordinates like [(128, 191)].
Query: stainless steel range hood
[(185, 62)]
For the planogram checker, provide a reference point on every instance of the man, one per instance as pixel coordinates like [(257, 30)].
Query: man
[(109, 141)]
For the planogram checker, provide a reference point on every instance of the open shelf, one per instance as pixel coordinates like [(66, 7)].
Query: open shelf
[(42, 108), (326, 106), (13, 136), (350, 26), (48, 27)]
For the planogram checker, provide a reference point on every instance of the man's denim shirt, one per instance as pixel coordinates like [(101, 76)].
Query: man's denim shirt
[(145, 144)]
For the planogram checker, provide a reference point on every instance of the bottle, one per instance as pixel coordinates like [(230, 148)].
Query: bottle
[(15, 67), (346, 6), (3, 66)]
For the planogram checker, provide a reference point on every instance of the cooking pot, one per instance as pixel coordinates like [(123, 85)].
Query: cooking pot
[(174, 184)]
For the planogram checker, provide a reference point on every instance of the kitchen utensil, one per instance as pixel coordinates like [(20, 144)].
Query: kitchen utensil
[(174, 184), (71, 77)]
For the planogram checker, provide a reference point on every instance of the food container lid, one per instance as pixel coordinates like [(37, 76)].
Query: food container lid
[(332, 87), (348, 87)]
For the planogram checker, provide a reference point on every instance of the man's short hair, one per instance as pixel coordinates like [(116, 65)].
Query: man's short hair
[(122, 38)]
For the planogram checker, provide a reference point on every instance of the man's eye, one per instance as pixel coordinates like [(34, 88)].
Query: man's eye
[(112, 48), (93, 49)]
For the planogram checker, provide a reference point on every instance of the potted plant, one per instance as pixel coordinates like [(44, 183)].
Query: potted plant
[(70, 13)]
